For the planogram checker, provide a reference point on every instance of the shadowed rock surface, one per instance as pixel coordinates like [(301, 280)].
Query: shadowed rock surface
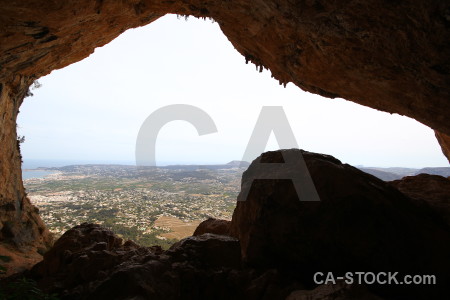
[(90, 262), (444, 141), (361, 223), (431, 189), (212, 225), (340, 291)]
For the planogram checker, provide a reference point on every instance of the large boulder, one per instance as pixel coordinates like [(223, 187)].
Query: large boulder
[(212, 225), (210, 249), (426, 189), (91, 262), (84, 254), (339, 291), (361, 223)]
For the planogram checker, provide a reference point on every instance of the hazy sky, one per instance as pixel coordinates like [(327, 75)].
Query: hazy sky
[(92, 110)]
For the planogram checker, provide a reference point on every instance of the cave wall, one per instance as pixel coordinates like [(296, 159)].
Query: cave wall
[(20, 223), (389, 55), (444, 141)]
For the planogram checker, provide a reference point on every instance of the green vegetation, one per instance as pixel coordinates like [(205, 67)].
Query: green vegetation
[(143, 239), (35, 85), (23, 289), (151, 240), (4, 258)]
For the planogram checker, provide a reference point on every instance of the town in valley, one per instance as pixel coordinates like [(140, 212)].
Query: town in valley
[(149, 205)]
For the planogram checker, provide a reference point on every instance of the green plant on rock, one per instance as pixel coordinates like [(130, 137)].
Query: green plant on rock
[(23, 289), (3, 269)]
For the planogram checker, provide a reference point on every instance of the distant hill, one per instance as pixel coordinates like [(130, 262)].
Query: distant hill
[(394, 173), (102, 167), (399, 170), (386, 174), (383, 175), (231, 165), (443, 171), (238, 163)]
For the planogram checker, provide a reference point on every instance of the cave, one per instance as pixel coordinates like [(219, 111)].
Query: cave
[(388, 55)]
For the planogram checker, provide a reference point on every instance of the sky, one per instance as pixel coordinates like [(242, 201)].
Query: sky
[(91, 111)]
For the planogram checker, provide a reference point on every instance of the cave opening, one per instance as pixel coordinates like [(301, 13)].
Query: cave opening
[(99, 104), (387, 56)]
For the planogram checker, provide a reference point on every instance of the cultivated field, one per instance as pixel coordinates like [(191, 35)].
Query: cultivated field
[(179, 229)]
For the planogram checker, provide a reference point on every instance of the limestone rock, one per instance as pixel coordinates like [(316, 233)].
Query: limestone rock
[(361, 223), (444, 141), (212, 225), (20, 223), (210, 249), (339, 291), (90, 262), (433, 190)]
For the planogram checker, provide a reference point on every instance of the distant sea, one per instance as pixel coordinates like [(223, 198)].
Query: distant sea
[(37, 163), (29, 166), (56, 163), (35, 174)]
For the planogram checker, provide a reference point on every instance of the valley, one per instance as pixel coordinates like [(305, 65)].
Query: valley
[(151, 206)]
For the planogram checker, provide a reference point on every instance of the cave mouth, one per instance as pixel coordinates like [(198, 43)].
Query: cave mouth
[(67, 85), (205, 81), (392, 58)]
